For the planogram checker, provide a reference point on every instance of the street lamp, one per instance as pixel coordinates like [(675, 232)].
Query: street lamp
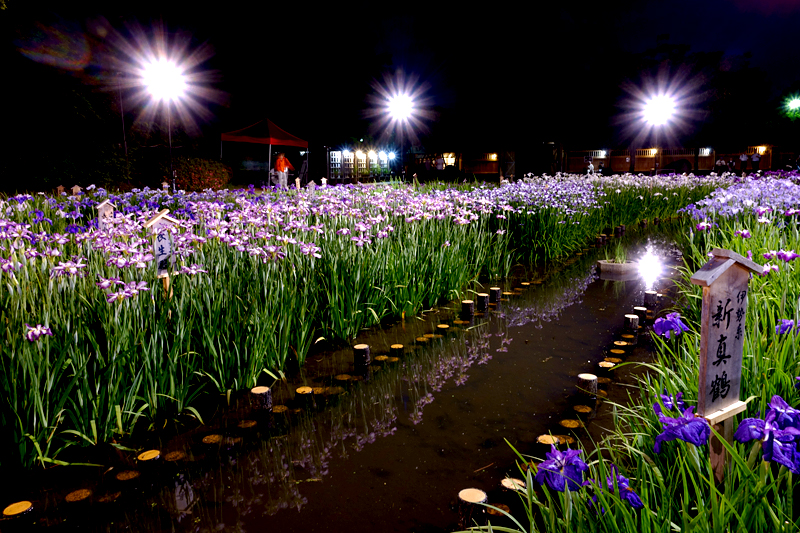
[(658, 110), (166, 82), (401, 108)]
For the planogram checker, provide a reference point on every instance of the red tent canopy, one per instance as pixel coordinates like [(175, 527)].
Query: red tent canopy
[(264, 132)]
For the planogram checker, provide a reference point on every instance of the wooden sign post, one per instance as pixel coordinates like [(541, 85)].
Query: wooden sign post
[(163, 245), (724, 280), (297, 183), (75, 190), (105, 211), (59, 190)]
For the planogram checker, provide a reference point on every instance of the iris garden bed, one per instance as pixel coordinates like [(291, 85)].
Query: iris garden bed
[(94, 346), (653, 473)]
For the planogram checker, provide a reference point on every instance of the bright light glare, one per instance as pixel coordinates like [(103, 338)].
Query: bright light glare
[(345, 152), (391, 155), (382, 155), (401, 106), (164, 80), (371, 154), (602, 153), (653, 151), (649, 268), (360, 154), (794, 104), (659, 109)]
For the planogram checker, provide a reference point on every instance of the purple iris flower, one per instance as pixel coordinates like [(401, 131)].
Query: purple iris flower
[(562, 470), (626, 493), (672, 322), (670, 402), (784, 327), (779, 443), (743, 233), (688, 428), (34, 333)]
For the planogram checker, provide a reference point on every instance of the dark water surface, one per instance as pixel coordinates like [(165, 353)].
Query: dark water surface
[(389, 452)]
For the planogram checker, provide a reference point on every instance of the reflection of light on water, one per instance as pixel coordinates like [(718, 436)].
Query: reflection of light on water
[(649, 268)]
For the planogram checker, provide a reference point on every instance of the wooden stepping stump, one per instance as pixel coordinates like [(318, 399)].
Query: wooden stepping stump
[(461, 322), (149, 457), (615, 360), (215, 439), (361, 354), (631, 322), (482, 301), (511, 483), (582, 410), (430, 335), (616, 353), (78, 497), (467, 308), (304, 396), (603, 380), (128, 477), (548, 440), (381, 358), (443, 328), (641, 312), (621, 345), (396, 350), (261, 398), (17, 510), (525, 285), (175, 456), (340, 378), (469, 507), (571, 423), (494, 294), (650, 298), (630, 338), (587, 385), (280, 409), (507, 296), (566, 439), (606, 367)]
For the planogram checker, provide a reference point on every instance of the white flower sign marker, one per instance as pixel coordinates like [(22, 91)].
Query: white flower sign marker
[(160, 226), (105, 212), (724, 280)]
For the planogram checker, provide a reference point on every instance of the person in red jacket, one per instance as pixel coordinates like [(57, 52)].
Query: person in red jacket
[(282, 166)]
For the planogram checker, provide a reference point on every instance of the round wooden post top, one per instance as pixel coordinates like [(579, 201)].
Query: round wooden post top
[(587, 377), (259, 390), (472, 495), (361, 346), (18, 508), (149, 455)]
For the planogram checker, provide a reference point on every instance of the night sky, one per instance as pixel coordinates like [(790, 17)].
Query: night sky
[(490, 77)]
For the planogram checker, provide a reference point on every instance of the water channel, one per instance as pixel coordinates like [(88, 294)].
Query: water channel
[(389, 450)]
